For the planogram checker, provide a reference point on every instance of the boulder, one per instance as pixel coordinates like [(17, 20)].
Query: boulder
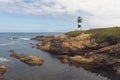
[(116, 68), (64, 58), (3, 69), (44, 46)]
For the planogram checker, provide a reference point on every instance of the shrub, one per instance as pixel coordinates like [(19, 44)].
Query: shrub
[(110, 39)]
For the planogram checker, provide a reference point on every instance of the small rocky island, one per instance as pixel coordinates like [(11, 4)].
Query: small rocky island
[(31, 60), (3, 69), (98, 48)]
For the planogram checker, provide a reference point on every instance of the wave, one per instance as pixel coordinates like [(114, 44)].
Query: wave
[(15, 38), (9, 43), (24, 38), (2, 60)]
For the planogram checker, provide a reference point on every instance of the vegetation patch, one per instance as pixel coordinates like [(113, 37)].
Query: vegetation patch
[(101, 35), (74, 33)]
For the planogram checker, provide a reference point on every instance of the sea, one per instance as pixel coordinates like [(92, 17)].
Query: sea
[(52, 69)]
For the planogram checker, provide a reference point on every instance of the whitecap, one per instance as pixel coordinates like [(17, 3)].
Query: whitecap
[(24, 38), (14, 38), (2, 60)]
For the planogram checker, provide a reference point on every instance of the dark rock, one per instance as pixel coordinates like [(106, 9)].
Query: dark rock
[(116, 68), (43, 38), (33, 46)]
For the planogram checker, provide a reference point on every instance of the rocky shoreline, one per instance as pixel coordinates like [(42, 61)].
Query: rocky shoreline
[(30, 60), (82, 50)]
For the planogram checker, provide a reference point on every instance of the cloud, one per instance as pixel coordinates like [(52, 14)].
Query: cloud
[(102, 12)]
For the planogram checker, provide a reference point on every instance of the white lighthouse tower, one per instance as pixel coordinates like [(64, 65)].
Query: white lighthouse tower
[(79, 23)]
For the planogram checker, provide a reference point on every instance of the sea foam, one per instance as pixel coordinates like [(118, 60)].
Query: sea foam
[(2, 60), (14, 38)]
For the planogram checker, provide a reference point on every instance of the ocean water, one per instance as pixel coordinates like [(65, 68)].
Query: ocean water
[(52, 69)]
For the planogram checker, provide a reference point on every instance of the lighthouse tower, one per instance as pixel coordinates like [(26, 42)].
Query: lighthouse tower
[(79, 23)]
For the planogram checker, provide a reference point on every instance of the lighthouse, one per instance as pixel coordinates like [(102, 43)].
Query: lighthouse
[(79, 22)]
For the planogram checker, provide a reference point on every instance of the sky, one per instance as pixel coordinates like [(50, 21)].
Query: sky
[(57, 15)]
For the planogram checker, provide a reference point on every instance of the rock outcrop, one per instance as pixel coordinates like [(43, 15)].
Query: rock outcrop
[(43, 38), (31, 60), (3, 69), (64, 44), (83, 49), (106, 57)]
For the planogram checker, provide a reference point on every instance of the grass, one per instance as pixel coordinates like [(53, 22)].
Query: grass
[(74, 33), (111, 35)]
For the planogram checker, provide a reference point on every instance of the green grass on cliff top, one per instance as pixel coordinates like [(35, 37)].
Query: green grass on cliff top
[(101, 34)]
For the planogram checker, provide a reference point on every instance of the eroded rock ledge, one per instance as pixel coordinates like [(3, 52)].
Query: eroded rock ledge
[(64, 44), (83, 49), (31, 60)]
